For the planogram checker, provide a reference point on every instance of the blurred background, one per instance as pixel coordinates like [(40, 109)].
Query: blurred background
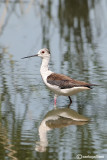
[(75, 31)]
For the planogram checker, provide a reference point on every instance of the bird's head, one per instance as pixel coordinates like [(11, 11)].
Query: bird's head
[(43, 53)]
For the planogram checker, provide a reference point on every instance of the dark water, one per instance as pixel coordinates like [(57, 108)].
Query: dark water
[(75, 31)]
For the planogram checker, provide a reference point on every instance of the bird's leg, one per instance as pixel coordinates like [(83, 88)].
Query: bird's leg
[(55, 98), (70, 101)]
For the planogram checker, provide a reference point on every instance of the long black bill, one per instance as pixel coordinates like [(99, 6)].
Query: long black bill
[(30, 56)]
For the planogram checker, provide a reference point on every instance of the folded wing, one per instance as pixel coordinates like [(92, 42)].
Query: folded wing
[(65, 82)]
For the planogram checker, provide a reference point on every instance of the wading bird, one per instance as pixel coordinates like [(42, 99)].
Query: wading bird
[(59, 83)]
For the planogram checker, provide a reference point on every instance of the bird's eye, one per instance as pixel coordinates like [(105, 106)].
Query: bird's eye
[(43, 52)]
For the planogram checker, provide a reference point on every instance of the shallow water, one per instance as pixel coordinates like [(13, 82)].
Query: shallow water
[(75, 32)]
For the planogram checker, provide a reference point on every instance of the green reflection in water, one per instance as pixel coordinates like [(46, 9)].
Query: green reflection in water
[(13, 138)]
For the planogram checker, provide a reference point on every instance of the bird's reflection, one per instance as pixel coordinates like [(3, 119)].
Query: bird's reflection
[(57, 118)]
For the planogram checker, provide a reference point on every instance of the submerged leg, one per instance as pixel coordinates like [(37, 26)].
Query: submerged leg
[(55, 98), (70, 101)]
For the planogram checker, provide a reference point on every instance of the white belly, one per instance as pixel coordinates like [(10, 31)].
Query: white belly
[(66, 92)]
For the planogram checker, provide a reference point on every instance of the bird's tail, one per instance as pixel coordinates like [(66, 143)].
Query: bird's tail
[(91, 85)]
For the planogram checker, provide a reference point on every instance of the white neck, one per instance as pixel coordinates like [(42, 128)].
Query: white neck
[(44, 68)]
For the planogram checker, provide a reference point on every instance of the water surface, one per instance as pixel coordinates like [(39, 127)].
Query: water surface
[(75, 32)]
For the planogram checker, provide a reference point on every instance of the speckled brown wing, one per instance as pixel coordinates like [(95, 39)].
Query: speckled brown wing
[(65, 82)]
